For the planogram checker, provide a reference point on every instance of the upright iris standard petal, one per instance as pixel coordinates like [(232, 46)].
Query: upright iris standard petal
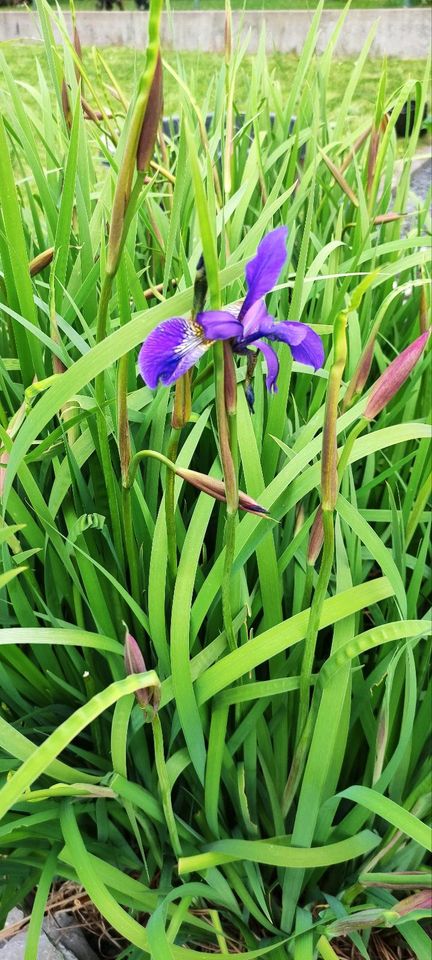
[(306, 346), (264, 270), (255, 321), (170, 350)]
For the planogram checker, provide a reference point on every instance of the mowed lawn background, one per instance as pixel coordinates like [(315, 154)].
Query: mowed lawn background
[(200, 69)]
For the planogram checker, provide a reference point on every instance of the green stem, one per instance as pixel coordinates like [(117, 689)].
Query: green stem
[(164, 785), (169, 505), (226, 435), (130, 543), (136, 460), (315, 617), (105, 455), (307, 592), (230, 532), (349, 443), (299, 759)]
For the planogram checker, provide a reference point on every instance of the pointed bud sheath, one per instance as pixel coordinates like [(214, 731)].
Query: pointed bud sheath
[(418, 901), (329, 477), (65, 104), (128, 162), (151, 119), (41, 261), (228, 32), (394, 377), (362, 371), (77, 45), (216, 489), (134, 663), (316, 539), (182, 407)]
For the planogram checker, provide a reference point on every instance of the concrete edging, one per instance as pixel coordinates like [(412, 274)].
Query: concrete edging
[(402, 33)]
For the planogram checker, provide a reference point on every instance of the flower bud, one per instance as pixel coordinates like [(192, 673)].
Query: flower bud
[(362, 370), (316, 539), (394, 377), (422, 900), (41, 261), (216, 488), (151, 119), (134, 663)]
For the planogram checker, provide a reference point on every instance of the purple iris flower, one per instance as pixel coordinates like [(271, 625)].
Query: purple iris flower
[(177, 344)]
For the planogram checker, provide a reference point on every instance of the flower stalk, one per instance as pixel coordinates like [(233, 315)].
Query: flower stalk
[(329, 491), (135, 152)]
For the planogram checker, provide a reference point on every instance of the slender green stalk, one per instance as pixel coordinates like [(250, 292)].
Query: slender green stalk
[(105, 454), (164, 785), (169, 504), (122, 212), (226, 434), (329, 490), (315, 617), (130, 544)]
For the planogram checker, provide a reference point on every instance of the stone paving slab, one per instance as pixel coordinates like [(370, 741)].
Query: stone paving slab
[(73, 945), (14, 948)]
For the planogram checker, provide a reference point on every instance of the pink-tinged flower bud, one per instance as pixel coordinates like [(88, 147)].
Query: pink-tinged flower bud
[(394, 377), (134, 663), (418, 901), (216, 489)]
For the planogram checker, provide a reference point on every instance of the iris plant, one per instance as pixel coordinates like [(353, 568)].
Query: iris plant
[(177, 344)]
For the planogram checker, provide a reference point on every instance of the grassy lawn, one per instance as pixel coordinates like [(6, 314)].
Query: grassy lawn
[(200, 69)]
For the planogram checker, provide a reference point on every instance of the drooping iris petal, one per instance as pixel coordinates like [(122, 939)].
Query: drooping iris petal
[(219, 325), (272, 364), (263, 271), (306, 346), (170, 350)]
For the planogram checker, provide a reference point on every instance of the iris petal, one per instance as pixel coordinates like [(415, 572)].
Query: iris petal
[(219, 325), (263, 271), (272, 364), (306, 346), (170, 350)]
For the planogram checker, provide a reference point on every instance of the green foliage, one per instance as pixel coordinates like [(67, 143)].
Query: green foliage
[(186, 830)]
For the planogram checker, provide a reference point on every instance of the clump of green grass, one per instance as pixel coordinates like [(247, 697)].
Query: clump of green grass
[(220, 824)]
